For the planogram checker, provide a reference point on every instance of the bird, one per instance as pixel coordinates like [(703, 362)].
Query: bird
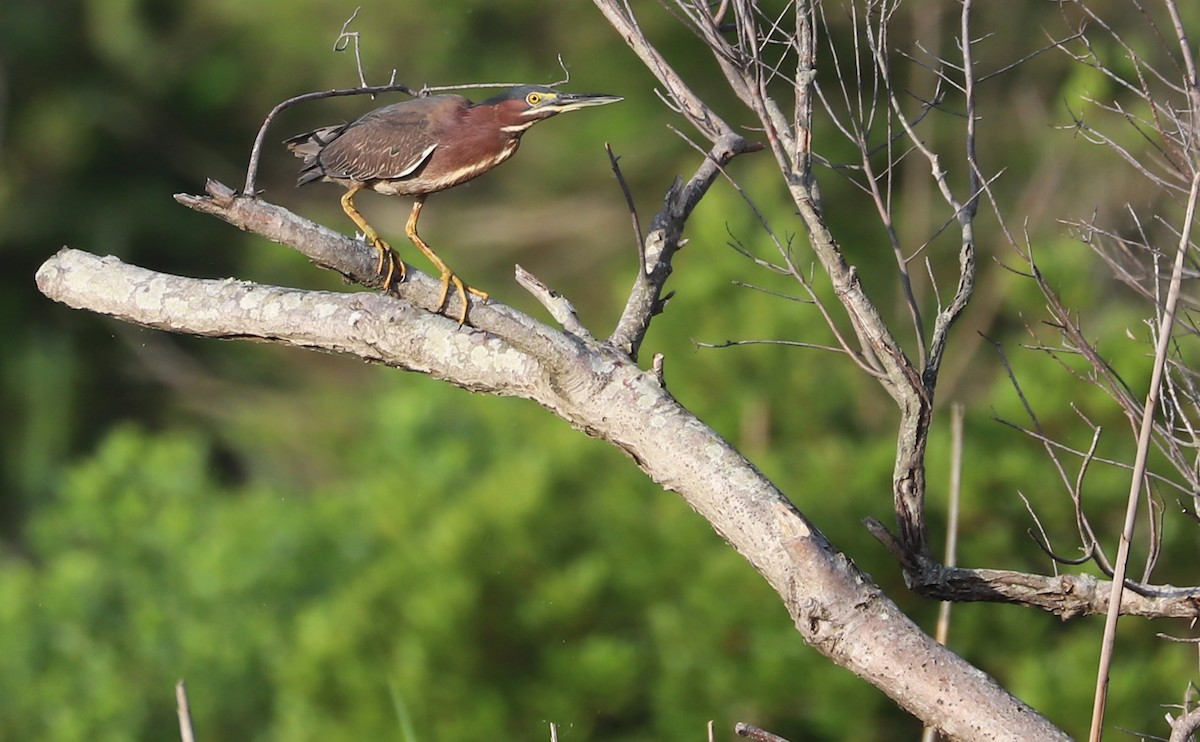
[(421, 146)]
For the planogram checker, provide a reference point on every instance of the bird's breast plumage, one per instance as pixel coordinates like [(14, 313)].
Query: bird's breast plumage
[(466, 148)]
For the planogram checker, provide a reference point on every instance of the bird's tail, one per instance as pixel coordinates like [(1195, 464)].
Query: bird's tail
[(308, 148)]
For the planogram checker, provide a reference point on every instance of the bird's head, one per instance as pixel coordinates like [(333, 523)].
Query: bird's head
[(521, 107)]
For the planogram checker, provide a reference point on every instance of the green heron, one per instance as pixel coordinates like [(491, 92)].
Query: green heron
[(423, 146)]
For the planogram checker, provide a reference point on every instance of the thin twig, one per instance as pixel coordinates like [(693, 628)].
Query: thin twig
[(950, 559), (788, 343), (345, 38), (633, 213), (1137, 481), (790, 269), (186, 734), (760, 735), (566, 78)]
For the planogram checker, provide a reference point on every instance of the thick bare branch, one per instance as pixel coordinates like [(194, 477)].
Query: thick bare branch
[(356, 260), (599, 390), (368, 325), (1068, 596)]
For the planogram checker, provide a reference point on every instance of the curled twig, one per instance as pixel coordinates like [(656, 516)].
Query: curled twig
[(345, 38)]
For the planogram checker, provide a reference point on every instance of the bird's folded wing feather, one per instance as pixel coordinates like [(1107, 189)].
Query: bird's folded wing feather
[(384, 144)]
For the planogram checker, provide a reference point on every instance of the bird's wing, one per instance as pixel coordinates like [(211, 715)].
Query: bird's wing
[(387, 143), (308, 148)]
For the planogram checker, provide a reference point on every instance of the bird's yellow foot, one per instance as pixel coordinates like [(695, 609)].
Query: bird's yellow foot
[(448, 277), (388, 265)]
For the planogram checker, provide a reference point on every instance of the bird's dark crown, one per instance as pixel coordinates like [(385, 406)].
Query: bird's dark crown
[(520, 92)]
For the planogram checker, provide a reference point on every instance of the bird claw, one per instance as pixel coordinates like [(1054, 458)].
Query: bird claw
[(389, 264), (394, 265), (462, 289)]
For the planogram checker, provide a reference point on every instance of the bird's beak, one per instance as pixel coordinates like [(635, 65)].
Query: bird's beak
[(564, 102)]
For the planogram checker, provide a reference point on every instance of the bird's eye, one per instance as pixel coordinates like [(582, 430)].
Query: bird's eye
[(533, 99)]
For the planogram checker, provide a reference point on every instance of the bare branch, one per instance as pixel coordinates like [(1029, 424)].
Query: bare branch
[(1139, 468), (1067, 596), (759, 735), (707, 122), (663, 240), (559, 306), (633, 214), (186, 733), (596, 388), (1186, 725), (345, 39)]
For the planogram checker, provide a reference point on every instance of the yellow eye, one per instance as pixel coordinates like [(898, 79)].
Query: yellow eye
[(533, 99)]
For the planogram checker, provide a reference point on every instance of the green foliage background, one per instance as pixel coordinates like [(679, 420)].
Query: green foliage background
[(326, 550)]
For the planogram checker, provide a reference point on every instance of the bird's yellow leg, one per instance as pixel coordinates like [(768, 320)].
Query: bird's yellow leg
[(386, 254), (448, 276)]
